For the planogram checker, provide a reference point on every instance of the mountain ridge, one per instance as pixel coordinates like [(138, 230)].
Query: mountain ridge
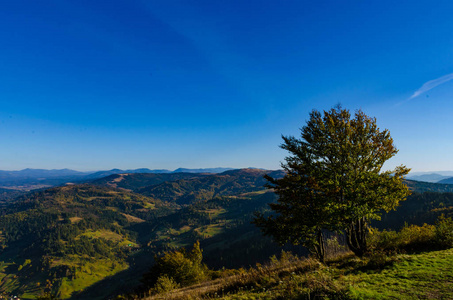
[(30, 179), (431, 177)]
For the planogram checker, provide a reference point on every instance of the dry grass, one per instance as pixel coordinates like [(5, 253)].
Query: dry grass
[(242, 279), (75, 219), (269, 275)]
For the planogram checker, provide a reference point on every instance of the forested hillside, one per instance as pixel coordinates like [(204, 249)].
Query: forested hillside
[(88, 241), (72, 236), (7, 195), (420, 187), (136, 181), (77, 235), (229, 183)]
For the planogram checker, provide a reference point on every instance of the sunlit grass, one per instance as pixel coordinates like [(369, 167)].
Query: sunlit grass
[(89, 271), (428, 275), (111, 236)]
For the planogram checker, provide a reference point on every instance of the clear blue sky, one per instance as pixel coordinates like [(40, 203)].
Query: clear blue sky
[(92, 85)]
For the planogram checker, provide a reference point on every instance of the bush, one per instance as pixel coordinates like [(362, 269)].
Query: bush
[(444, 232), (182, 266), (415, 237), (165, 284), (383, 240), (410, 237)]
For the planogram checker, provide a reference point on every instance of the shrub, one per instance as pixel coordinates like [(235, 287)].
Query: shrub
[(383, 240), (415, 237), (410, 237), (165, 284), (184, 267), (444, 232)]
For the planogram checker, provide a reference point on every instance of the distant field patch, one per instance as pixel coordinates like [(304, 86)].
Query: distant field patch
[(105, 234), (111, 236), (97, 197), (209, 230), (133, 219), (214, 212), (75, 219), (254, 193), (149, 205), (185, 228)]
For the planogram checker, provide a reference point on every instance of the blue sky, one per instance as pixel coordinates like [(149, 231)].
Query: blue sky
[(92, 85)]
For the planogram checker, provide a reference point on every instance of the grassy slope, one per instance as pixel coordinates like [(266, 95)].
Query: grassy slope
[(90, 272), (418, 276), (422, 276)]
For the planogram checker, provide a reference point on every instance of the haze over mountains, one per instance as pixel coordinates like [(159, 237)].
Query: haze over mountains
[(437, 176), (29, 179), (32, 179), (97, 237)]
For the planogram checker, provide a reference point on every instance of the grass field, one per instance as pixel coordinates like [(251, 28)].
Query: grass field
[(111, 236), (422, 276), (89, 272)]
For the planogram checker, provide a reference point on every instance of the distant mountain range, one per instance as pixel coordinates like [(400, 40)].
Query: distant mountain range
[(101, 174), (446, 180), (29, 179), (435, 177), (37, 173), (33, 179)]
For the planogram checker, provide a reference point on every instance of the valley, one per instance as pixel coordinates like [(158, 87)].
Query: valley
[(94, 239)]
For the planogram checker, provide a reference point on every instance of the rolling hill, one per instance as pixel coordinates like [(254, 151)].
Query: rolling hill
[(433, 177), (78, 236), (137, 181), (448, 180), (229, 183), (420, 187), (72, 236), (96, 239)]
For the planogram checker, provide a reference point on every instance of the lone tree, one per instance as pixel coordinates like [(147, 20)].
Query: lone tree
[(334, 181)]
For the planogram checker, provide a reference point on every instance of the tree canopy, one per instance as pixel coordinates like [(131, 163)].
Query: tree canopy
[(334, 181)]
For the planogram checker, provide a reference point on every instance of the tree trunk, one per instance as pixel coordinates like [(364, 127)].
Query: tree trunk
[(320, 248), (356, 237)]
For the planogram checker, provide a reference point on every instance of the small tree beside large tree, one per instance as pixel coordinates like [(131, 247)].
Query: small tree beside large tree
[(334, 181)]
